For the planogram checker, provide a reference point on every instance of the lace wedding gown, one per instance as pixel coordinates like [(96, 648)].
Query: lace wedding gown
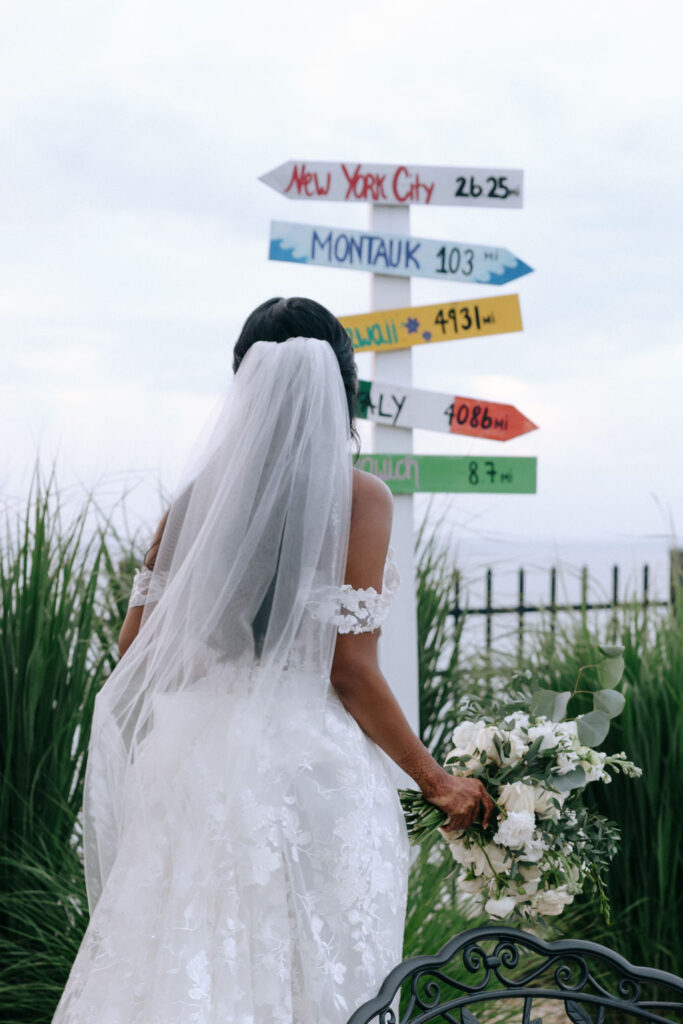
[(288, 910)]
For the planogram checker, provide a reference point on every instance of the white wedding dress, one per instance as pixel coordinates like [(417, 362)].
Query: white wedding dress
[(287, 909)]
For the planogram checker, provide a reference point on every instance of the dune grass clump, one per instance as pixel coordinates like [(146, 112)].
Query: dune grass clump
[(60, 609)]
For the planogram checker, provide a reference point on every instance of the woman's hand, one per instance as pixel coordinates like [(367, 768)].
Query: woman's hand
[(463, 799)]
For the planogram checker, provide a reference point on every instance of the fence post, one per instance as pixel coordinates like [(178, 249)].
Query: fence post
[(553, 600), (489, 595), (520, 621), (675, 574)]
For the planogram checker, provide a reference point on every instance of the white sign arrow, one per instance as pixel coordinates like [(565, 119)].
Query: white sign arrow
[(398, 184)]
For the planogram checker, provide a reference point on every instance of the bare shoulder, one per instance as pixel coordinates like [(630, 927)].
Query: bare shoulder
[(371, 517), (371, 497)]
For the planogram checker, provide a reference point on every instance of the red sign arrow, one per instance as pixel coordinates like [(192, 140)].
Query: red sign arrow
[(493, 420)]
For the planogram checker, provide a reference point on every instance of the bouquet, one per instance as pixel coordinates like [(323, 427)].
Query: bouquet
[(544, 847)]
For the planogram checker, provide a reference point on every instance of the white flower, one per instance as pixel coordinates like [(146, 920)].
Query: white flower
[(546, 729), (518, 746), (566, 762), (473, 739), (500, 908), (463, 736), (553, 901), (472, 885), (531, 876), (516, 830), (498, 859), (484, 742), (546, 799), (517, 796), (567, 733), (519, 719), (459, 850), (593, 763), (533, 850)]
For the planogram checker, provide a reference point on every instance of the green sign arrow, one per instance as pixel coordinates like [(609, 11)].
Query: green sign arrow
[(461, 474)]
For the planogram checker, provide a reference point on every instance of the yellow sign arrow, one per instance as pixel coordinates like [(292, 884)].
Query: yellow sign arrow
[(393, 329)]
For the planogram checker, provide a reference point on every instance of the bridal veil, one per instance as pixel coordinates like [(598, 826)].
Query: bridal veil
[(256, 537)]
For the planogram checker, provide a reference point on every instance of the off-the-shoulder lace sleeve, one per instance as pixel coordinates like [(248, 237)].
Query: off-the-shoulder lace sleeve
[(361, 610), (145, 586)]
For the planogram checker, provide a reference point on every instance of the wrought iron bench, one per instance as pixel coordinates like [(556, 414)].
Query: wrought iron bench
[(514, 976)]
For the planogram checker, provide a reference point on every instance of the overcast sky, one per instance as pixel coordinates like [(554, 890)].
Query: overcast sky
[(134, 230)]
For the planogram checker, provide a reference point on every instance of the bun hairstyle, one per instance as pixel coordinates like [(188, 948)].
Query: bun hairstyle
[(279, 319)]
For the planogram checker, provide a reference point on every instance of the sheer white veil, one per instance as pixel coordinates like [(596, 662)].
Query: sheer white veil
[(256, 536)]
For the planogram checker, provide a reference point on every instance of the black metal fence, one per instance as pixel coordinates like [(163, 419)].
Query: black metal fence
[(643, 600)]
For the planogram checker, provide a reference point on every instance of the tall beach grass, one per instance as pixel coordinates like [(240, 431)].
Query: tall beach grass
[(60, 609)]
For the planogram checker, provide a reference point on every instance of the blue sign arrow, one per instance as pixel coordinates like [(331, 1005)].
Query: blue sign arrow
[(400, 255)]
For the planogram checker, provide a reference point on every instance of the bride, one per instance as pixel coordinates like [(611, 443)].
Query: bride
[(245, 853)]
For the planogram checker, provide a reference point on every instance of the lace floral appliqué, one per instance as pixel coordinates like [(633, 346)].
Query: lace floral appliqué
[(360, 610), (146, 587)]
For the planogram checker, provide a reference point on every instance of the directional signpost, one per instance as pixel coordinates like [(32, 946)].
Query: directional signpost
[(397, 184), (393, 329), (398, 406), (392, 255), (459, 474), (402, 255)]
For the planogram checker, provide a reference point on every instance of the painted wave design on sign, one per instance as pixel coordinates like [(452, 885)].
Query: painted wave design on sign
[(278, 251)]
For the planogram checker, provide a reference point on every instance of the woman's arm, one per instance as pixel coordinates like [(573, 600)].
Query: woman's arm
[(362, 688), (133, 619)]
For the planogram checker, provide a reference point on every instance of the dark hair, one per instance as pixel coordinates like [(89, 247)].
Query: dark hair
[(279, 319)]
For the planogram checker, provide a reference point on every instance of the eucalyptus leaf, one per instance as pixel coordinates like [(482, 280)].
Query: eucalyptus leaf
[(592, 728), (570, 780), (610, 702), (611, 650), (499, 748), (550, 704), (534, 749), (610, 672)]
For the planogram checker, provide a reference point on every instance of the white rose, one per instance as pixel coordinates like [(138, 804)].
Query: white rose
[(472, 885), (546, 729), (516, 830), (553, 901), (517, 796), (463, 737), (545, 803), (483, 742), (500, 908)]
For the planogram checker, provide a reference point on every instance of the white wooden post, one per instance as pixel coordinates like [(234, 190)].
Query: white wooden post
[(398, 642)]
